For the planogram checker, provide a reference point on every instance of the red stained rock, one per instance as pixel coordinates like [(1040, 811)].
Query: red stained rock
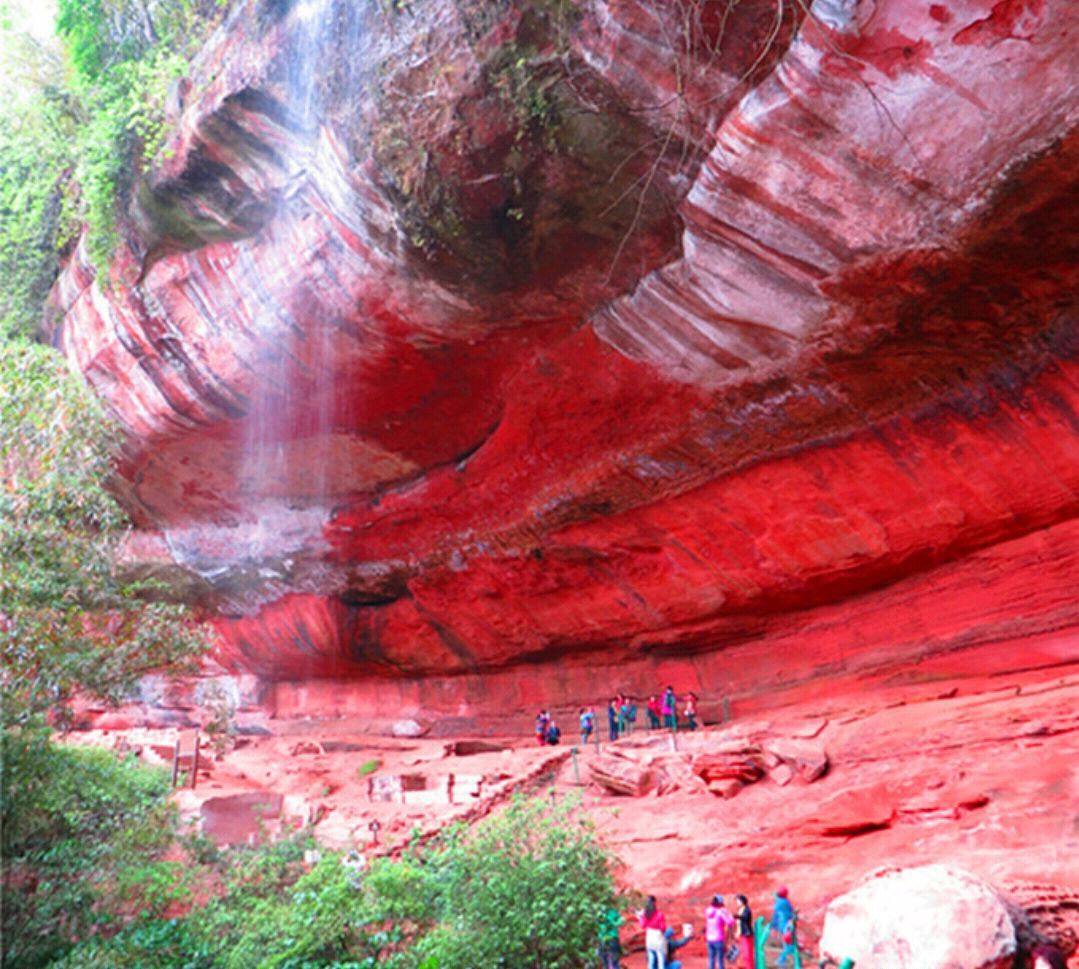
[(622, 776), (854, 813), (239, 818), (579, 344)]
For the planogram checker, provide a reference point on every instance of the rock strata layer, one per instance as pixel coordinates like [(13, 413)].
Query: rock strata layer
[(460, 337)]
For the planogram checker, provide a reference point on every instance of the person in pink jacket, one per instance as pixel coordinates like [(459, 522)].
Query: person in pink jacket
[(654, 924), (717, 923)]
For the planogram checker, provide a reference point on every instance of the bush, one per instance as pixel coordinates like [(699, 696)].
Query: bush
[(72, 143), (37, 219), (524, 889), (81, 834)]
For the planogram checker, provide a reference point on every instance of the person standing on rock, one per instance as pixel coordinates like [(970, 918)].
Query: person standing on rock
[(717, 923), (654, 924), (588, 722), (653, 712), (783, 923), (691, 710), (543, 721), (670, 709), (612, 719), (745, 932)]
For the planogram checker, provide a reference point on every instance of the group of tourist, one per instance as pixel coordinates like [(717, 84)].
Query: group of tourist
[(547, 731), (729, 936), (732, 937), (662, 711)]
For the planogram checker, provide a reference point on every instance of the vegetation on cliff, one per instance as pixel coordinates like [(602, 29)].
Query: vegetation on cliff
[(68, 619), (84, 114)]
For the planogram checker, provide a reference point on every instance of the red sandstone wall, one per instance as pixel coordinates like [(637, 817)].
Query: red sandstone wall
[(769, 379)]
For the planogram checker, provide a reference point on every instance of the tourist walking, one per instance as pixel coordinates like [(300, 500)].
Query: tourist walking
[(744, 918), (654, 924), (628, 715), (543, 720), (783, 920), (717, 923)]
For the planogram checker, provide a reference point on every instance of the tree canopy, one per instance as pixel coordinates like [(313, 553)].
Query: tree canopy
[(68, 620)]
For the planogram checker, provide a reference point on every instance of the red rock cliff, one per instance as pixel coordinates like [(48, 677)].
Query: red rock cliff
[(609, 340)]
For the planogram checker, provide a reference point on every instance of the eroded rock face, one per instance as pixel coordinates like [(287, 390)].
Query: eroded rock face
[(456, 336), (934, 917)]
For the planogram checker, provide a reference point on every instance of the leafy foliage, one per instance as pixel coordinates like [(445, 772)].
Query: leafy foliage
[(525, 888), (37, 158), (73, 142), (68, 621), (82, 835)]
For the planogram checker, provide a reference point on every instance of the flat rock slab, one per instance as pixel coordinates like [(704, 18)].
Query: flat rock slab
[(237, 818)]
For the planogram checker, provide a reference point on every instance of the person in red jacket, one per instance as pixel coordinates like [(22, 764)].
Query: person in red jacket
[(654, 924)]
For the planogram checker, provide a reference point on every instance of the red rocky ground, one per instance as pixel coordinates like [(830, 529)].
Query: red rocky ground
[(978, 772)]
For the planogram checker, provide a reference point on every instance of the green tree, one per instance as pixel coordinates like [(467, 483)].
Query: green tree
[(83, 833), (37, 158), (525, 889), (68, 620)]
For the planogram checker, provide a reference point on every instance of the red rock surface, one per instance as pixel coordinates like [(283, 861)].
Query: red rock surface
[(572, 352), (976, 772)]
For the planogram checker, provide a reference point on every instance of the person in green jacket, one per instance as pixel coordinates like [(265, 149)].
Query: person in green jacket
[(610, 949)]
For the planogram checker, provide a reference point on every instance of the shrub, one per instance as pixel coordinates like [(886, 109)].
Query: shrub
[(526, 888), (81, 830)]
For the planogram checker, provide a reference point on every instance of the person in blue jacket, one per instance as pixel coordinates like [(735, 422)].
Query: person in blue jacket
[(783, 922), (612, 719)]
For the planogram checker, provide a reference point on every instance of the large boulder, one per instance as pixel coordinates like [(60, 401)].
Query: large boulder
[(933, 917)]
